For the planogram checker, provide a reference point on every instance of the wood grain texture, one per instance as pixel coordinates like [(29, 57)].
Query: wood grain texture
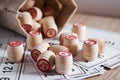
[(104, 23)]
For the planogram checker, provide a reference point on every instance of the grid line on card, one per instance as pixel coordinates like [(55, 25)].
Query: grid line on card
[(21, 64)]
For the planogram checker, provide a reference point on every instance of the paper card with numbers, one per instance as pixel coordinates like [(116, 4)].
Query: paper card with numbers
[(27, 68), (112, 63), (109, 53), (112, 49), (76, 74), (9, 70)]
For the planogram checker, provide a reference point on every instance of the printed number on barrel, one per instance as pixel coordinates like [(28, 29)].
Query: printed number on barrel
[(43, 66)]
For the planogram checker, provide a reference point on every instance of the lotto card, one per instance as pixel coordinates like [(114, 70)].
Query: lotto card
[(113, 62), (27, 68), (108, 54), (85, 73), (112, 48)]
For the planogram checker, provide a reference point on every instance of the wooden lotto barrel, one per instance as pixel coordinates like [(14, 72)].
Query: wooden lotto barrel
[(10, 12)]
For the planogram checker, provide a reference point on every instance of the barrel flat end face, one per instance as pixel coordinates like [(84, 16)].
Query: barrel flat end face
[(14, 43), (66, 9), (43, 65)]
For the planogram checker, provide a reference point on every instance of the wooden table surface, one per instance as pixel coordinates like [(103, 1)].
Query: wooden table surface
[(104, 23)]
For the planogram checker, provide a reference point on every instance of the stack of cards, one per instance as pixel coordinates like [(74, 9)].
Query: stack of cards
[(80, 69), (109, 58)]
